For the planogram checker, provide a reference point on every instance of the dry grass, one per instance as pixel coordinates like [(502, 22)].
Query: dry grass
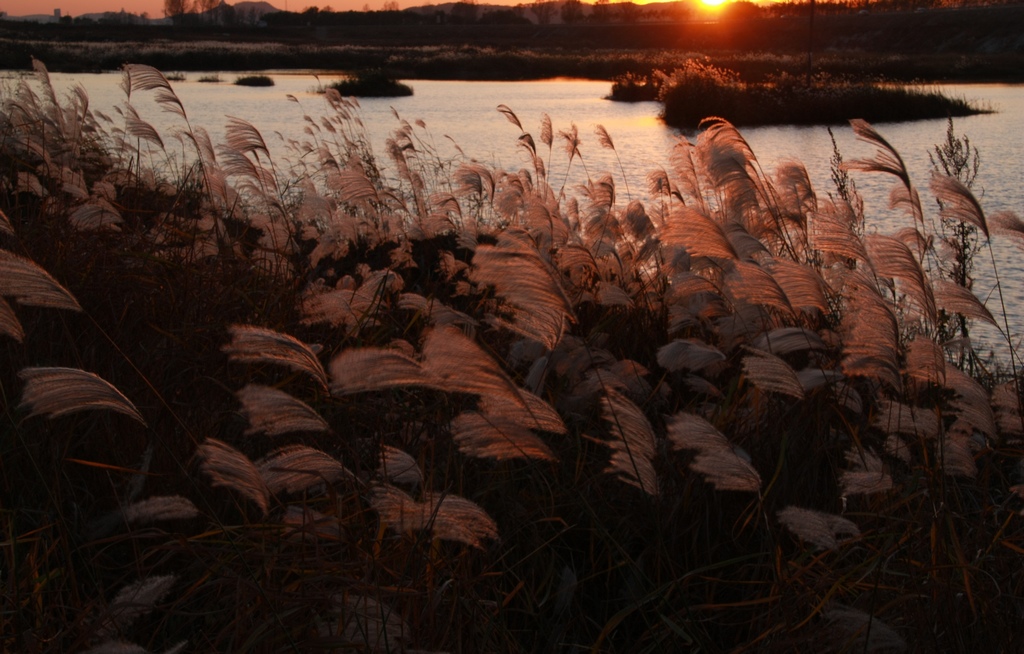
[(351, 405)]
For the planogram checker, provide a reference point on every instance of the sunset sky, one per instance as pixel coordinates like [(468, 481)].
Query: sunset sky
[(155, 8)]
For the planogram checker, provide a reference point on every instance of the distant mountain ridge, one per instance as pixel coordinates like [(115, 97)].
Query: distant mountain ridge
[(259, 8)]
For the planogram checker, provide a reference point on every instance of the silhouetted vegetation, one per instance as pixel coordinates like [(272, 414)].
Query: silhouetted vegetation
[(637, 88), (254, 80), (698, 90), (372, 84)]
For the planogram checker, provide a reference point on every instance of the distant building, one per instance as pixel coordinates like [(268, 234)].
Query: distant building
[(56, 14)]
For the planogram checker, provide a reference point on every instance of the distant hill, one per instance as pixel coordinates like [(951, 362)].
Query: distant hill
[(257, 8)]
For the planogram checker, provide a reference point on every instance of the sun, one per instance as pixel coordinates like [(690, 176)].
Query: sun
[(713, 3)]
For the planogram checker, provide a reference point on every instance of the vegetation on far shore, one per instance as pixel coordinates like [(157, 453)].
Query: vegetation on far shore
[(332, 400), (474, 62)]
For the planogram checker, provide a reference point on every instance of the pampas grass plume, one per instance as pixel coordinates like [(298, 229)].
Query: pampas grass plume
[(251, 344), (821, 529), (274, 412), (29, 284), (447, 517), (54, 392), (227, 467)]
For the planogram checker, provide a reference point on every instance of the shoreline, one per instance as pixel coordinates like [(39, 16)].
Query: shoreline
[(942, 46)]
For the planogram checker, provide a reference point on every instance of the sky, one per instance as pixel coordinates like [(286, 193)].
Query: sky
[(155, 8)]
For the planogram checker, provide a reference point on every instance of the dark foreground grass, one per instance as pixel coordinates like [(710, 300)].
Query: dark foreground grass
[(351, 404)]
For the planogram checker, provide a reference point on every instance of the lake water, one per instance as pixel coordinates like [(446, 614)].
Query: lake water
[(461, 120)]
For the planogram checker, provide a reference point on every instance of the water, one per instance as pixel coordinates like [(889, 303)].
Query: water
[(461, 121)]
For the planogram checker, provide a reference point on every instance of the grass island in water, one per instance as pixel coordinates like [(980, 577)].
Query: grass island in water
[(254, 80), (372, 84), (699, 89)]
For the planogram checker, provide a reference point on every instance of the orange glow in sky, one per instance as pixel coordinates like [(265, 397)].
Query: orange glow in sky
[(155, 8)]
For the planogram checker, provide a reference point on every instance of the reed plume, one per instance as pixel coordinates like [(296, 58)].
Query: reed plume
[(926, 361), (9, 323), (350, 305), (140, 77), (435, 311), (787, 340), (447, 517), (971, 403), (699, 235), (274, 412), (367, 369), (497, 437), (896, 418), (750, 283), (632, 442), (95, 215), (821, 529), (539, 308), (888, 161), (136, 600), (768, 372), (456, 363), (160, 508), (688, 354), (296, 468), (1006, 410), (251, 344), (835, 231), (229, 468), (892, 258), (871, 333), (957, 202), (955, 299), (28, 284), (867, 475), (716, 460), (803, 286), (399, 467), (54, 392)]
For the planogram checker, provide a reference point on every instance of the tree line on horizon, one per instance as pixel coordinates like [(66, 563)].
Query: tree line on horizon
[(541, 12)]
